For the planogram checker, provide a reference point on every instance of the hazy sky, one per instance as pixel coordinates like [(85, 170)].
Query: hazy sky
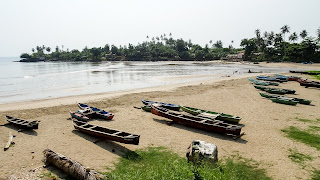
[(94, 23)]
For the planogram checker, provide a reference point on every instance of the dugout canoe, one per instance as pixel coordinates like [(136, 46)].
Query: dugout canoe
[(23, 124), (106, 133), (211, 115), (216, 126), (97, 112), (79, 116), (166, 105), (284, 101)]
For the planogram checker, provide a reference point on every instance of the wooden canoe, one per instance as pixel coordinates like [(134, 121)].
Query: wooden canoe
[(79, 116), (284, 101), (106, 133), (23, 124), (300, 100), (211, 115), (216, 126), (97, 112), (166, 105)]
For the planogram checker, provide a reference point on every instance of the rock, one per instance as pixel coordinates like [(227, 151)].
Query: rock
[(201, 150)]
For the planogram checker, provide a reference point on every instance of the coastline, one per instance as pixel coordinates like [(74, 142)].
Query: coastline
[(51, 102), (264, 142)]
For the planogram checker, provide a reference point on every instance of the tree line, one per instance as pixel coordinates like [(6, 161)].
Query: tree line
[(163, 47), (271, 46), (267, 46)]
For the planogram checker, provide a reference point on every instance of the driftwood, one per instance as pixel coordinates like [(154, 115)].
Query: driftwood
[(9, 141), (73, 168)]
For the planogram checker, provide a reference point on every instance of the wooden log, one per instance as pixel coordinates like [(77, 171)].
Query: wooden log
[(71, 167), (9, 141)]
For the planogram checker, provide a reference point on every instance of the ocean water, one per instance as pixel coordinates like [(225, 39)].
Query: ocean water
[(42, 80)]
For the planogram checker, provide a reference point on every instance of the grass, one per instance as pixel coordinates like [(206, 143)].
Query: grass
[(316, 175), (298, 157), (309, 120), (160, 163), (315, 76), (47, 174), (303, 136)]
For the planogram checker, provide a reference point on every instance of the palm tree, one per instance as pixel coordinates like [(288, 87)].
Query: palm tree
[(293, 37), (48, 49), (303, 34), (257, 32), (285, 29)]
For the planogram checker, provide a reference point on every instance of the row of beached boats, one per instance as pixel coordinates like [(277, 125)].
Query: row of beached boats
[(197, 118), (80, 120), (277, 94), (193, 117)]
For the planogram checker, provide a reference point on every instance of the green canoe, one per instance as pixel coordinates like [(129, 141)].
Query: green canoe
[(301, 101), (260, 87), (211, 114), (284, 101), (275, 91), (266, 95), (146, 108)]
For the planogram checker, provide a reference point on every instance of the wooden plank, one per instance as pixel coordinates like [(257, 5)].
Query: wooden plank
[(236, 137), (9, 141)]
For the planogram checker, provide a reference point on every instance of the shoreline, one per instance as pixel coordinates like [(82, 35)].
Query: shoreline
[(67, 100), (264, 141)]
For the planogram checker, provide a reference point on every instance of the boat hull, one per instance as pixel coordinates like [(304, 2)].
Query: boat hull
[(197, 122), (216, 115), (23, 124), (106, 133)]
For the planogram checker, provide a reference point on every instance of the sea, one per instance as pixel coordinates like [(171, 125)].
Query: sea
[(21, 81)]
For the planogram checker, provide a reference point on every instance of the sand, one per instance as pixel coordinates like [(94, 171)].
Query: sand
[(264, 141)]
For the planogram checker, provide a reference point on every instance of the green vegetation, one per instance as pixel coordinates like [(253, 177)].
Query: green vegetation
[(315, 76), (160, 163), (303, 136), (298, 157), (309, 120), (316, 175), (158, 48), (273, 46), (47, 174)]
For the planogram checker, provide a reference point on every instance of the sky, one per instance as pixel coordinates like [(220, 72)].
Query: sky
[(94, 23)]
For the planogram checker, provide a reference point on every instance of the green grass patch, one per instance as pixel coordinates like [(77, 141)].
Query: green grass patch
[(314, 128), (315, 175), (298, 157), (160, 163), (315, 76), (308, 120), (303, 136)]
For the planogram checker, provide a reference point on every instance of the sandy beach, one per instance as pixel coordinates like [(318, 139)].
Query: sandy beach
[(263, 120)]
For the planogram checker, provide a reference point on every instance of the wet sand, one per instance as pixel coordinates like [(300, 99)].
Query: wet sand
[(264, 142)]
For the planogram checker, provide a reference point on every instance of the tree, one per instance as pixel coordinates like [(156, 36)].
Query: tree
[(285, 29), (293, 37), (318, 34), (218, 44), (48, 49), (249, 47), (303, 34), (257, 32), (25, 55)]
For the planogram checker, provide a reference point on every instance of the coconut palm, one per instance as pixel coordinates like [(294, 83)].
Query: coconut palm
[(293, 37), (257, 32), (303, 34), (285, 29)]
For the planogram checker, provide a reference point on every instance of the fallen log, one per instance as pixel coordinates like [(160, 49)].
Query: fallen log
[(73, 168), (9, 141)]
